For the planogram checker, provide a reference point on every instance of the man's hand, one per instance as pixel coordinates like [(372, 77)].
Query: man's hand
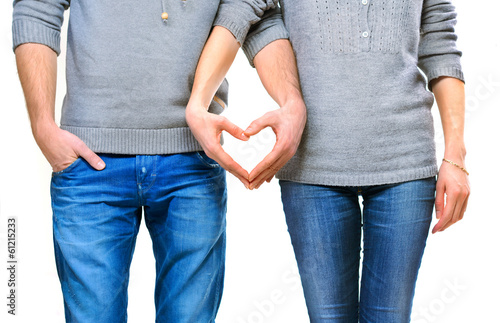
[(288, 124), (277, 70), (207, 129), (61, 148), (454, 183)]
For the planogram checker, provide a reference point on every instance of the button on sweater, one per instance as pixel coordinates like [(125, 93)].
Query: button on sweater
[(364, 66)]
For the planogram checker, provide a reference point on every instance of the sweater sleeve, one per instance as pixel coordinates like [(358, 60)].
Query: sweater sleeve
[(38, 21), (239, 15), (438, 54), (267, 30)]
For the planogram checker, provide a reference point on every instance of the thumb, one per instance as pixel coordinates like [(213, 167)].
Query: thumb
[(233, 130), (258, 125), (92, 158)]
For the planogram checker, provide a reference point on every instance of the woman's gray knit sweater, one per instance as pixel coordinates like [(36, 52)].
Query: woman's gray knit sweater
[(369, 112)]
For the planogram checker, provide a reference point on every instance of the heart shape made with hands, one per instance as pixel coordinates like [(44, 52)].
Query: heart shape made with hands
[(248, 154)]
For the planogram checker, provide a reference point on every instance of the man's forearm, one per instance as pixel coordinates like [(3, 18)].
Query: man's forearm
[(277, 70), (37, 68)]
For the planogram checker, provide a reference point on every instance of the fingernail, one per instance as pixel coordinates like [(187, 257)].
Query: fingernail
[(101, 165)]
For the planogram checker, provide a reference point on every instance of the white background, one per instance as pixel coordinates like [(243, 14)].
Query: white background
[(459, 278)]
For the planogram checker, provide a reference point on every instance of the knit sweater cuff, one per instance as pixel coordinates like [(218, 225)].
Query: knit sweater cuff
[(26, 31), (234, 21), (451, 71), (255, 42)]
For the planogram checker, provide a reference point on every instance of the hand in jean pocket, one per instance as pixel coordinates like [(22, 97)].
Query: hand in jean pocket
[(62, 148)]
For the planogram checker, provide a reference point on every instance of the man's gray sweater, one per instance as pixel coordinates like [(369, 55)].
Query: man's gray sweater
[(129, 73), (369, 112)]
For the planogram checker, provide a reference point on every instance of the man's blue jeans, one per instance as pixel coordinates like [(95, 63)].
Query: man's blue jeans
[(326, 225), (96, 220)]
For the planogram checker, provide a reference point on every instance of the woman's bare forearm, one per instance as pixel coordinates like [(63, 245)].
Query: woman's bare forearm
[(450, 98), (452, 187), (215, 60)]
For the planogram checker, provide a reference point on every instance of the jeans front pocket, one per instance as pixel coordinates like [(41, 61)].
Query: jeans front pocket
[(69, 168), (207, 160)]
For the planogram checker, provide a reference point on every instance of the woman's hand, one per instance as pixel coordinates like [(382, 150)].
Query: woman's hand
[(207, 129), (452, 188), (452, 195)]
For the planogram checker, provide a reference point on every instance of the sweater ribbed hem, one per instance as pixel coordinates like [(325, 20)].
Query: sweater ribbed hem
[(137, 141), (346, 179), (26, 31), (256, 42)]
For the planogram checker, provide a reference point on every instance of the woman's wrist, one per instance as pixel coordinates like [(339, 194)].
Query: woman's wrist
[(455, 153), (456, 165), (196, 105)]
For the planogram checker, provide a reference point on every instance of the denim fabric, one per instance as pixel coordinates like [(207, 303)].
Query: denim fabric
[(96, 217), (326, 225)]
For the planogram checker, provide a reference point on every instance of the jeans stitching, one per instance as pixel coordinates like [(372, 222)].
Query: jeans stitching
[(207, 163)]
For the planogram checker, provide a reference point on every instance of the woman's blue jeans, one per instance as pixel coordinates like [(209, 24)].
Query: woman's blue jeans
[(96, 216), (326, 225)]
